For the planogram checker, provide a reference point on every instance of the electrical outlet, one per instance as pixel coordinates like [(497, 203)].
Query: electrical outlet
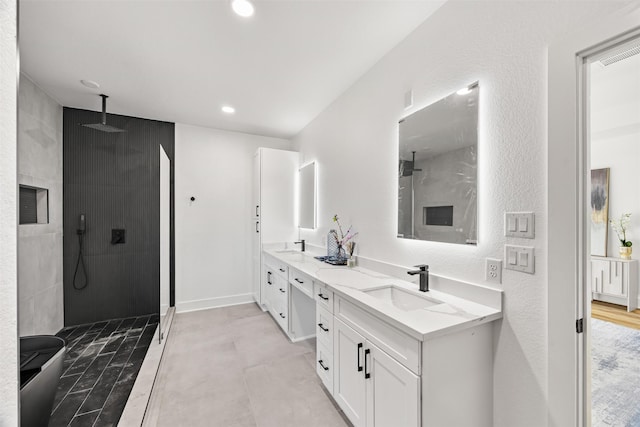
[(493, 272)]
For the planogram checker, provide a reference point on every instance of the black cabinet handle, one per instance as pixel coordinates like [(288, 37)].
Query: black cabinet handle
[(298, 280), (269, 278), (322, 327), (282, 290), (257, 214), (322, 364), (257, 223), (359, 364), (367, 374), (281, 269), (323, 297), (281, 315)]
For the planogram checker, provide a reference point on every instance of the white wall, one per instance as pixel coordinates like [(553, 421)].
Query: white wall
[(40, 290), (214, 233), (615, 140), (355, 140), (9, 398)]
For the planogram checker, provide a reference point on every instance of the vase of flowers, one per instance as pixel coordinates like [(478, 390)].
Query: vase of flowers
[(620, 227), (344, 241)]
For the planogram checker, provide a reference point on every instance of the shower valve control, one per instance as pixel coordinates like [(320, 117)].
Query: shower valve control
[(117, 236)]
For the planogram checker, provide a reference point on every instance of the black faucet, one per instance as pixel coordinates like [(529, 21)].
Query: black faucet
[(424, 276), (302, 242)]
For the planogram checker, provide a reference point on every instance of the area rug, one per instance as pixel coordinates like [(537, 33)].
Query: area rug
[(615, 387)]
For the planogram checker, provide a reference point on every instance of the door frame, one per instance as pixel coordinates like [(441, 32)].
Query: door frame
[(568, 163)]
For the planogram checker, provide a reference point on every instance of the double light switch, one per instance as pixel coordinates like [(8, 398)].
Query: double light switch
[(519, 258), (519, 224)]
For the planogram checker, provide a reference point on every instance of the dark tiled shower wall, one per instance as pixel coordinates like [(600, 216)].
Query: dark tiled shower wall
[(114, 180), (100, 368)]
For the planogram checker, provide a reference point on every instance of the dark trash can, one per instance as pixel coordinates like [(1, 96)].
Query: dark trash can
[(41, 360)]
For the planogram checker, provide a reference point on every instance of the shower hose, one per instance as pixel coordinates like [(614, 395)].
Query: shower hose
[(78, 263)]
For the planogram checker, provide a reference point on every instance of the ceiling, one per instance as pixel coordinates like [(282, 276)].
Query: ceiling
[(615, 99), (181, 60)]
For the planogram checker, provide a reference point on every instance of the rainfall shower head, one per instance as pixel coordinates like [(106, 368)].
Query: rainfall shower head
[(103, 126)]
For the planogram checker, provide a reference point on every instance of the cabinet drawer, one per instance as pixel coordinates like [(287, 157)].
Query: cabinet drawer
[(280, 312), (394, 342), (279, 268), (301, 281), (324, 327), (323, 296), (324, 366)]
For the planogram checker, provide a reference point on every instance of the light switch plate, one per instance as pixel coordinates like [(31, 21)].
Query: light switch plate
[(493, 271), (519, 258), (519, 224)]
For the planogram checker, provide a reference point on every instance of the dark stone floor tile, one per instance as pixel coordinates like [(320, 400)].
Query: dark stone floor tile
[(84, 360), (109, 329), (140, 322), (84, 420), (134, 332), (131, 369), (65, 412), (113, 342), (122, 355), (126, 324), (65, 332), (92, 374), (78, 331), (114, 406), (147, 336), (154, 318), (100, 392), (77, 346), (64, 385), (99, 326)]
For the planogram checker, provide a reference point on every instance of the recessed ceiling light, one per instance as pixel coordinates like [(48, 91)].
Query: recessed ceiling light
[(243, 8), (228, 109), (90, 83)]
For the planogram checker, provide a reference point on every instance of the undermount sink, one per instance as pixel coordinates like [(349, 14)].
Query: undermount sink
[(402, 299), (288, 251)]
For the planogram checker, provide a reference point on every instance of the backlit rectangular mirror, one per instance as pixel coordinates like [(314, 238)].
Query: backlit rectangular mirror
[(437, 172), (307, 196)]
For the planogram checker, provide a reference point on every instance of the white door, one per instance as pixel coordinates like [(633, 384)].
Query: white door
[(348, 380), (393, 391)]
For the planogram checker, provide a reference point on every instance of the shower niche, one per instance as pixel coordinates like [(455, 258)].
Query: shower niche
[(437, 170)]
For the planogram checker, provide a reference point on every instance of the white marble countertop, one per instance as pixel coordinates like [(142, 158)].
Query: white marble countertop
[(450, 313)]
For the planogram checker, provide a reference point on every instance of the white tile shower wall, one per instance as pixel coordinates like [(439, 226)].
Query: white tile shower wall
[(40, 245), (214, 232), (355, 140), (9, 397)]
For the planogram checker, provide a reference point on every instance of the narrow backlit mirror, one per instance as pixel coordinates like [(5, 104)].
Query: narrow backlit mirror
[(437, 171), (307, 196)]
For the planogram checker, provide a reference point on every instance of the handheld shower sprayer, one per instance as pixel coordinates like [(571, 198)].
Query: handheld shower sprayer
[(82, 229)]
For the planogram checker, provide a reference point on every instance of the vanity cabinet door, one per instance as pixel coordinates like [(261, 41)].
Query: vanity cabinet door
[(267, 285), (348, 374), (393, 391)]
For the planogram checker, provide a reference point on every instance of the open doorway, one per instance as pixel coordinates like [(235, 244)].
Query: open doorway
[(613, 333)]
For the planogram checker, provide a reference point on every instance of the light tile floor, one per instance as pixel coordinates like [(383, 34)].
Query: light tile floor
[(234, 367)]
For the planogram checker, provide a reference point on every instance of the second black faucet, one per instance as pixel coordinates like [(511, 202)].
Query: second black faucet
[(424, 276), (301, 242)]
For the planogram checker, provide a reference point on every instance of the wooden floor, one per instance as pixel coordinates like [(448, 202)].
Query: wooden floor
[(615, 314)]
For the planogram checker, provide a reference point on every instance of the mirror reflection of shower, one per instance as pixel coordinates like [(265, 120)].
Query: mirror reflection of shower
[(407, 169), (440, 204)]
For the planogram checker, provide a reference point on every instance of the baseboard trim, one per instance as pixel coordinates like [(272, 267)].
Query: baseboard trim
[(204, 304)]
